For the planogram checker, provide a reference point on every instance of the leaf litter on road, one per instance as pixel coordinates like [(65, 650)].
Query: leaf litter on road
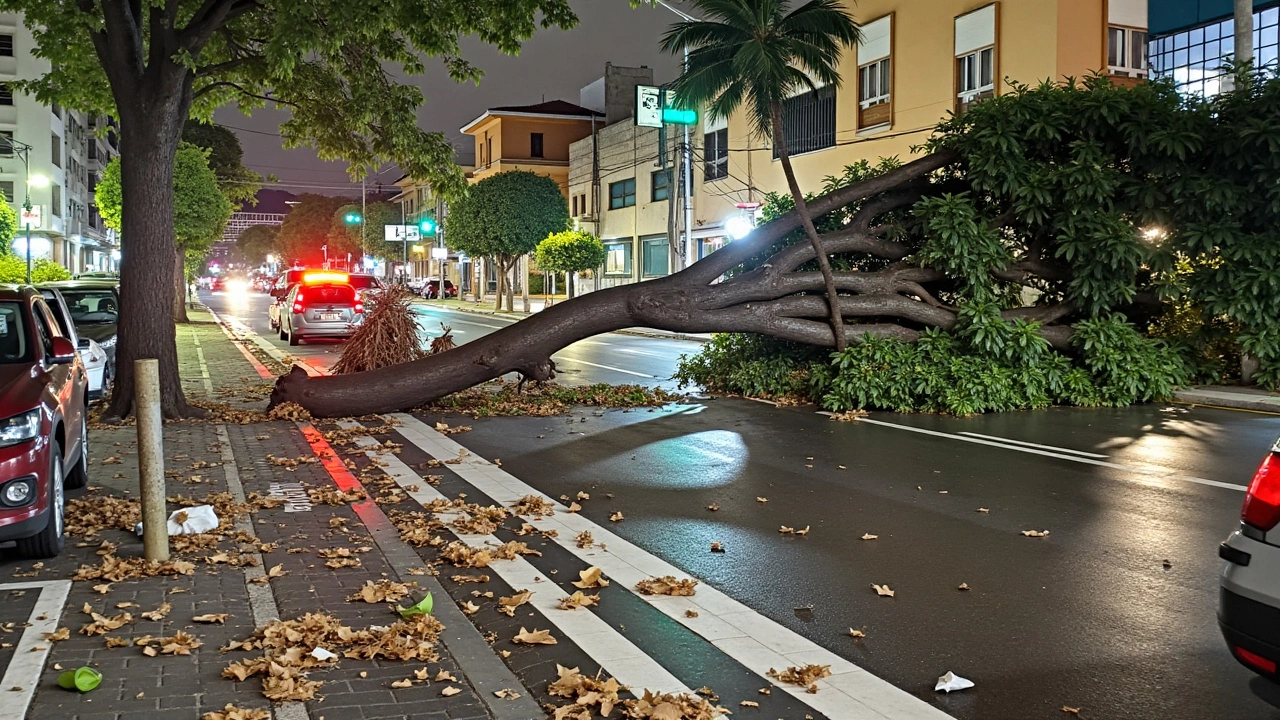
[(667, 585)]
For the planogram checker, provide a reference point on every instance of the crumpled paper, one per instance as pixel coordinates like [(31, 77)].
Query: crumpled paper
[(952, 681)]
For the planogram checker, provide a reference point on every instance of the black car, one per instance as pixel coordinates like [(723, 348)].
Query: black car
[(95, 309)]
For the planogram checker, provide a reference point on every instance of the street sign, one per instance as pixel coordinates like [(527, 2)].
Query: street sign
[(648, 106), (31, 217), (439, 253), (401, 233), (676, 116)]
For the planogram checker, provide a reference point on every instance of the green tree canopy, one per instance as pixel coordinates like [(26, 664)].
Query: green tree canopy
[(8, 227), (307, 227), (570, 251), (256, 242), (226, 159), (200, 209), (377, 215), (505, 216)]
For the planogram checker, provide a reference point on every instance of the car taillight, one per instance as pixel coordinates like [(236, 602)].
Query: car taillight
[(297, 303), (1255, 660), (1262, 504), (359, 306)]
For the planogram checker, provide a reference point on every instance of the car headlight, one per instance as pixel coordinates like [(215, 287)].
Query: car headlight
[(20, 428), (109, 342)]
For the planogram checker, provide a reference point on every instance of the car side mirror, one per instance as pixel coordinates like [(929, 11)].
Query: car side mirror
[(63, 351)]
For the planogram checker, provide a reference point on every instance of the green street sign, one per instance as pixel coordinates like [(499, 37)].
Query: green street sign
[(676, 116)]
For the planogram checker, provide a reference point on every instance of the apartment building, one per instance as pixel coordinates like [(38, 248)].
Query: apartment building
[(534, 138), (918, 60), (65, 151), (1190, 40)]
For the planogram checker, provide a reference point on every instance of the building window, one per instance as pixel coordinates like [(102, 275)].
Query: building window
[(809, 121), (656, 252), (55, 149), (875, 77), (975, 35), (706, 246), (716, 153), (1127, 52), (1194, 58), (56, 200), (575, 206), (622, 194), (7, 187), (6, 46), (617, 258), (488, 150), (660, 186), (535, 145), (585, 209), (6, 94), (6, 143)]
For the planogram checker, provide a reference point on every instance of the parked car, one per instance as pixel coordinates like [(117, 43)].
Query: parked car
[(431, 290), (99, 275), (363, 283), (319, 307), (94, 306), (91, 353), (218, 284), (1249, 589), (43, 426)]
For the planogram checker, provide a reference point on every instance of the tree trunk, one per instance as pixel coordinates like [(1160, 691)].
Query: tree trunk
[(511, 284), (502, 279), (180, 288), (151, 124), (806, 220)]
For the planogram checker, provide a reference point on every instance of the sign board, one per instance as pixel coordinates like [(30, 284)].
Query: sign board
[(439, 253), (30, 217), (648, 106), (401, 233)]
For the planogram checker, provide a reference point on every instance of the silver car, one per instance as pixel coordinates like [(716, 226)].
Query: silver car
[(320, 310), (1249, 593)]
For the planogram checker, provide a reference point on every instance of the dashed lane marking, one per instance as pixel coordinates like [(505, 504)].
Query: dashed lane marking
[(561, 358), (1053, 448), (751, 639)]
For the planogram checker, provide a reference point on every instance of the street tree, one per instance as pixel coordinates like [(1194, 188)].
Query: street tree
[(226, 158), (1017, 263), (256, 242), (153, 65), (758, 53), (570, 252), (8, 228), (504, 217), (346, 237), (304, 234), (200, 212)]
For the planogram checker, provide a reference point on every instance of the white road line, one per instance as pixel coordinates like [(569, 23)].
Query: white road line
[(641, 352), (33, 650), (1031, 444), (616, 654), (1154, 471), (748, 637), (204, 368), (561, 358)]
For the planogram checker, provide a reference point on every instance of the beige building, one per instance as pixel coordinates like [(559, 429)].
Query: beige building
[(534, 138), (417, 202)]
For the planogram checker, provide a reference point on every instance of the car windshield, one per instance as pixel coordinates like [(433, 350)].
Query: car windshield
[(13, 337), (364, 282), (92, 306)]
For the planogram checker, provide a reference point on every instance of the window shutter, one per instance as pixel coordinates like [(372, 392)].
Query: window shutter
[(976, 30), (874, 44)]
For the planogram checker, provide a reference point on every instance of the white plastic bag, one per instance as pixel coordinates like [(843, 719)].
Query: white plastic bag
[(199, 519), (952, 681)]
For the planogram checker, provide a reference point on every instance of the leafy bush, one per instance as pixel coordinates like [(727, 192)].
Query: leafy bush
[(13, 269), (43, 270)]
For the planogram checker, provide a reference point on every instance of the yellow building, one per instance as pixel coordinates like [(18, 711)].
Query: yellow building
[(918, 60), (417, 202), (535, 138)]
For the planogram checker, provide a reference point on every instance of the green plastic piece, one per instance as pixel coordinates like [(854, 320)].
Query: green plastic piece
[(423, 607), (83, 679)]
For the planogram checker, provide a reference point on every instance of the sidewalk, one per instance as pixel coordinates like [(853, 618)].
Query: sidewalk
[(486, 308), (300, 542), (1231, 396)]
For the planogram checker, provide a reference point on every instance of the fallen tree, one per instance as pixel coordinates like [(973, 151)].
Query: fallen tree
[(1034, 215)]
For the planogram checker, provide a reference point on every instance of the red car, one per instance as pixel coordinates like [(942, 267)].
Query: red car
[(43, 431)]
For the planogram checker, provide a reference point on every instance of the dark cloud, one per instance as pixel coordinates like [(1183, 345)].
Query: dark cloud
[(554, 64)]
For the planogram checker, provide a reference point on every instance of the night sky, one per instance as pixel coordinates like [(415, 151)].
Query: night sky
[(554, 63)]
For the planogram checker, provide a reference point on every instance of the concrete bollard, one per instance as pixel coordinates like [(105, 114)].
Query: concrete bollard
[(146, 408)]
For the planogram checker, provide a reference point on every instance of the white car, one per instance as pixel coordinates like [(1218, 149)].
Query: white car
[(1249, 592), (91, 353)]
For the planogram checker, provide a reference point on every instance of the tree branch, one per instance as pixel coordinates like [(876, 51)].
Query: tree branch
[(850, 239)]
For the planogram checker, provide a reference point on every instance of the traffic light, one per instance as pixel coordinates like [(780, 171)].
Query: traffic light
[(353, 218), (427, 226)]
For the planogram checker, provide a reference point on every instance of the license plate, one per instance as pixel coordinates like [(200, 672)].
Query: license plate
[(330, 316)]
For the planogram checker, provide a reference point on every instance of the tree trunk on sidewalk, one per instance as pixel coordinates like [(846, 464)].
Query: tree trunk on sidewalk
[(180, 288), (502, 278), (151, 119), (510, 274), (524, 281)]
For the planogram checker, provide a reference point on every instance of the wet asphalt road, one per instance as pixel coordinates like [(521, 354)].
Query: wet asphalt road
[(1087, 617), (614, 358)]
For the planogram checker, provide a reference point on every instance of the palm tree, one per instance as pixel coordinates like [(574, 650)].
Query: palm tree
[(759, 53)]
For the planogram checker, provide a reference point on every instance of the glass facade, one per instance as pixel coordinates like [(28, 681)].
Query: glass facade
[(1194, 58)]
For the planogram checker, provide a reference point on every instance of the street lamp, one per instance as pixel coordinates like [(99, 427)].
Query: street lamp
[(39, 181)]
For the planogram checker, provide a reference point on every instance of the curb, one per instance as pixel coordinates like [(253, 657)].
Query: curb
[(1229, 400), (625, 331)]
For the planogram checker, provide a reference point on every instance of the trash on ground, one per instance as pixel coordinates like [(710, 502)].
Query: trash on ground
[(952, 681)]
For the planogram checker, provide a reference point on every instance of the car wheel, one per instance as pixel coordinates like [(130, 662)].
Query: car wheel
[(293, 338), (283, 335), (49, 542), (79, 475)]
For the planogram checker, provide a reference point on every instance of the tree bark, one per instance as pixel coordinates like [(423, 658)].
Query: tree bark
[(151, 124), (180, 288), (502, 279), (806, 220)]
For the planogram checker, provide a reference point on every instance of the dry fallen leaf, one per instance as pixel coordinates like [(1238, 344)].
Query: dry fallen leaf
[(590, 578), (470, 608), (762, 499), (219, 618), (804, 676), (963, 586), (59, 634), (667, 585), (691, 613), (1071, 710), (869, 536), (856, 633), (882, 590), (536, 637), (713, 507), (984, 510), (1035, 533), (159, 613), (616, 517), (450, 691), (578, 599), (507, 605), (231, 712), (402, 683), (717, 547), (749, 703), (574, 507), (445, 675)]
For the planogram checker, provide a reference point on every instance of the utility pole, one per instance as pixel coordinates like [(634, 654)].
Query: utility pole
[(686, 250), (364, 210)]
